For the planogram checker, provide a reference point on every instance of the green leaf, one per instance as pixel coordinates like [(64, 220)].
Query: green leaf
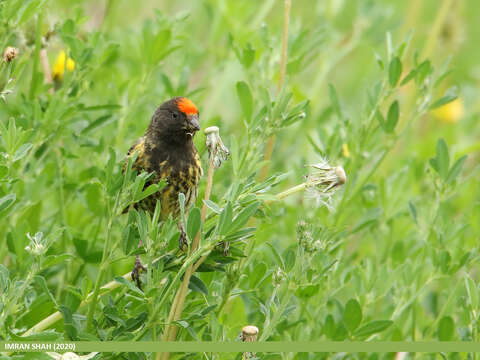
[(334, 100), (372, 327), (243, 217), (413, 211), (40, 280), (410, 76), (21, 152), (246, 100), (102, 120), (341, 333), (472, 292), (193, 223), (307, 291), (7, 201), (277, 256), (392, 117), (68, 323), (129, 285), (352, 315), (446, 328), (442, 158), (329, 326), (52, 260), (197, 285), (455, 169), (443, 101), (394, 71), (225, 219), (4, 278), (213, 206)]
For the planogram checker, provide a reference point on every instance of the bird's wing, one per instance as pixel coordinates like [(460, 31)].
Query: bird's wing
[(139, 147)]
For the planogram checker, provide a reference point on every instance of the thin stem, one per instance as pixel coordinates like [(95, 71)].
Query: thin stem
[(276, 317), (36, 54), (53, 318), (436, 28), (105, 258), (47, 74), (176, 309), (281, 80)]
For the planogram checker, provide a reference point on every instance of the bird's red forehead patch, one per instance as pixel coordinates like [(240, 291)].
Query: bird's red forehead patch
[(187, 106)]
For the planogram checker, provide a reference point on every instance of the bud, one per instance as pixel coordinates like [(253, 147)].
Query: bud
[(37, 244), (9, 54), (305, 236), (216, 148), (278, 277)]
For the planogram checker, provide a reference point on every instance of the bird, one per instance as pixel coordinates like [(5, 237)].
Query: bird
[(167, 150)]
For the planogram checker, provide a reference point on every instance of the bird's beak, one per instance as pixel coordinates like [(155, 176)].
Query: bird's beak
[(193, 124)]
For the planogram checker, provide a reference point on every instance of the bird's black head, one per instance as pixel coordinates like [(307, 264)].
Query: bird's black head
[(176, 120)]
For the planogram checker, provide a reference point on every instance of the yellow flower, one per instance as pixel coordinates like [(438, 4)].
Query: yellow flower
[(450, 113), (345, 150), (59, 66)]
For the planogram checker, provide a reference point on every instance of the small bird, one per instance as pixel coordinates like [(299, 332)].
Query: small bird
[(167, 150)]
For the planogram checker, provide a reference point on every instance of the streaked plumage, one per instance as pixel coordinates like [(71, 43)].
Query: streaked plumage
[(167, 149)]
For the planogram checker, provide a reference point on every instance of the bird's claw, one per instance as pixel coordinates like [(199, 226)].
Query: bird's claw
[(182, 240), (137, 268)]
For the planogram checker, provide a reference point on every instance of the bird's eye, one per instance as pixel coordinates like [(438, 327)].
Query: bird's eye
[(174, 115)]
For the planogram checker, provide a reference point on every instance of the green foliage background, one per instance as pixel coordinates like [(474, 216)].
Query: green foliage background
[(395, 258)]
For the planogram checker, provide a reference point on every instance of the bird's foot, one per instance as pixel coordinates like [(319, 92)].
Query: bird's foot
[(226, 248), (182, 240), (137, 269)]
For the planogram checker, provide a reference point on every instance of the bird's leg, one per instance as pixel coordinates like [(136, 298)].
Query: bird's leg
[(226, 248), (182, 241), (137, 268)]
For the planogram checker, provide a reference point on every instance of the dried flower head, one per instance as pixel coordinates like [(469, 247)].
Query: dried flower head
[(9, 54), (216, 148), (249, 333), (37, 244), (324, 181)]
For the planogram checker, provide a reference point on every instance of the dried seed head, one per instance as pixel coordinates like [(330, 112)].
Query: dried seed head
[(9, 54), (324, 181), (249, 333), (216, 148)]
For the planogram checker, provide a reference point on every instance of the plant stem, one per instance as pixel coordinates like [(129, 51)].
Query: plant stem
[(281, 308), (176, 309), (47, 74), (436, 29), (36, 54), (283, 73), (103, 264)]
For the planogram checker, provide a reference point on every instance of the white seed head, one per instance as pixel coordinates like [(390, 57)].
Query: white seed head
[(216, 148), (249, 333), (324, 181)]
